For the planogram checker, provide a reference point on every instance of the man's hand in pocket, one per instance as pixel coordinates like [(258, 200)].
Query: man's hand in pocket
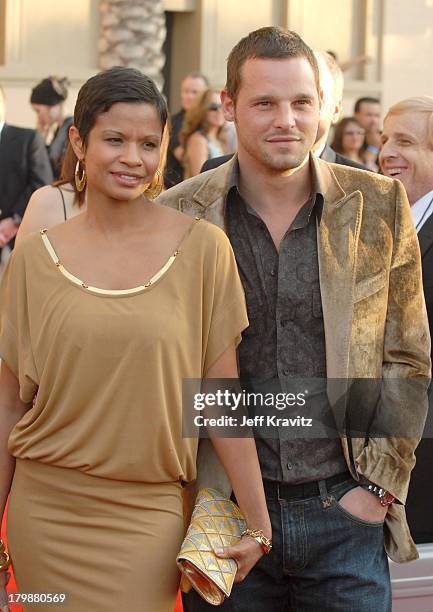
[(363, 504)]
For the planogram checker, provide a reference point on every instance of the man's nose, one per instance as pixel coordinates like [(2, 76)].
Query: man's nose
[(387, 150), (285, 117)]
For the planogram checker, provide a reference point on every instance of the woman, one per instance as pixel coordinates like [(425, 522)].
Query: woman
[(99, 327), (47, 100), (349, 138), (204, 134)]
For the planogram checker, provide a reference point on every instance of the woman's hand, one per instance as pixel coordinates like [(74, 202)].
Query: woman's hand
[(4, 579), (246, 554)]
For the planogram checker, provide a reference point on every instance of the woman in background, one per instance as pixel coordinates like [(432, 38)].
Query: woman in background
[(47, 100), (204, 134), (349, 136)]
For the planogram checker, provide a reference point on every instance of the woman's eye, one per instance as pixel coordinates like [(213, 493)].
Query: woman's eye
[(116, 140), (149, 145)]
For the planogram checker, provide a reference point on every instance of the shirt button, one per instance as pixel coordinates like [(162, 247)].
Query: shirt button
[(286, 372), (289, 466), (273, 272)]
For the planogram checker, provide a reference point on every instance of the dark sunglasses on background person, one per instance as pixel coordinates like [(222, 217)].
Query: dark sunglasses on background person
[(214, 106)]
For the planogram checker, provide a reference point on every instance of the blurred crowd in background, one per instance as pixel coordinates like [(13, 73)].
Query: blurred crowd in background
[(199, 134)]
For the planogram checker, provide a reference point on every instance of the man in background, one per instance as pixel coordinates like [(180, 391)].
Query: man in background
[(367, 112), (407, 154), (331, 83), (24, 167), (192, 85)]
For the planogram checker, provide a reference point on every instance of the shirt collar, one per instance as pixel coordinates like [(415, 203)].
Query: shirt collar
[(422, 209), (316, 197)]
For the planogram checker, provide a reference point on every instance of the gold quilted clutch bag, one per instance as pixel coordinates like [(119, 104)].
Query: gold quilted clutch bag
[(216, 522)]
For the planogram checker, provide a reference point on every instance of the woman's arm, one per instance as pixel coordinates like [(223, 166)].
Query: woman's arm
[(239, 458), (11, 410), (196, 153)]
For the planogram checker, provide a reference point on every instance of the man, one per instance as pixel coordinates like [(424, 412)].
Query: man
[(367, 112), (192, 85), (407, 154), (331, 83), (24, 167), (324, 252)]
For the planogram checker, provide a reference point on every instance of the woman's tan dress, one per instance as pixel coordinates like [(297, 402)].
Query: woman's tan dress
[(95, 509)]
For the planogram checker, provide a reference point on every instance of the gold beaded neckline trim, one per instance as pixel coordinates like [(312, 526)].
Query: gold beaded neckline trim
[(139, 288)]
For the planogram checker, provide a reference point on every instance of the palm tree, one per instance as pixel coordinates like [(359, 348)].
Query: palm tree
[(132, 34)]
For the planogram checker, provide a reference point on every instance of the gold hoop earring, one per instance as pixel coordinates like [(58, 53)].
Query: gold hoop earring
[(154, 188), (80, 181)]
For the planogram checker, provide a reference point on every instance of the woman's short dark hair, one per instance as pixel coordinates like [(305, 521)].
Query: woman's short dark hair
[(97, 96)]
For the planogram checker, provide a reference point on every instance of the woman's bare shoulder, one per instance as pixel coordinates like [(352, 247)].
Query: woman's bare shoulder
[(171, 217), (197, 139), (45, 209)]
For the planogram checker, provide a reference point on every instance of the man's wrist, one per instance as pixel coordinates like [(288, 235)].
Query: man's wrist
[(385, 497)]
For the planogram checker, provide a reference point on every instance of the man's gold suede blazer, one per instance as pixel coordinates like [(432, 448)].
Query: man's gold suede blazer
[(374, 316)]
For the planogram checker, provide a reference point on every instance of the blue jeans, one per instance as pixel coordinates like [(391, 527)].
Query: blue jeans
[(323, 558)]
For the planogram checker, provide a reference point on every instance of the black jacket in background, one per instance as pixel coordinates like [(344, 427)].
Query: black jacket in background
[(24, 167), (174, 169), (419, 503)]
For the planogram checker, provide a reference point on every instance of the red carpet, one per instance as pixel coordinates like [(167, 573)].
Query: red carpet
[(12, 586)]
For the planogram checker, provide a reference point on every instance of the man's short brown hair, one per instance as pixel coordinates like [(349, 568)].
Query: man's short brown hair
[(266, 43)]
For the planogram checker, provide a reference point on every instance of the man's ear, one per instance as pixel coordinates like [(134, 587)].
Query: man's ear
[(76, 142), (337, 112), (228, 106), (321, 99)]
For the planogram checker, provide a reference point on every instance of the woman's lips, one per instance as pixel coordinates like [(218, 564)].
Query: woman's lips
[(127, 180)]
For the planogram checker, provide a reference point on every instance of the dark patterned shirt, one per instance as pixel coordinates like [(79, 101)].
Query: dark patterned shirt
[(286, 337)]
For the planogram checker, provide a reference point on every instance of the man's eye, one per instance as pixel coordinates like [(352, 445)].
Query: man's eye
[(303, 101)]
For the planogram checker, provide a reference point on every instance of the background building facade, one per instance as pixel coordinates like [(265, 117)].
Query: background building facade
[(168, 38)]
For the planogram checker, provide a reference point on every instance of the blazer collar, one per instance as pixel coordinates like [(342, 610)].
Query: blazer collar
[(216, 186)]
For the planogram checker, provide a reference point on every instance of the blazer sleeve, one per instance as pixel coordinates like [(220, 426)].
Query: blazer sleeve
[(402, 408)]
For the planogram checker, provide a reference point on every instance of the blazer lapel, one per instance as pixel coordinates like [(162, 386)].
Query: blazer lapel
[(338, 234), (211, 194), (425, 236)]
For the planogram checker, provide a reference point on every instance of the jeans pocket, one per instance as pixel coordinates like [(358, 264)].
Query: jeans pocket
[(339, 494)]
